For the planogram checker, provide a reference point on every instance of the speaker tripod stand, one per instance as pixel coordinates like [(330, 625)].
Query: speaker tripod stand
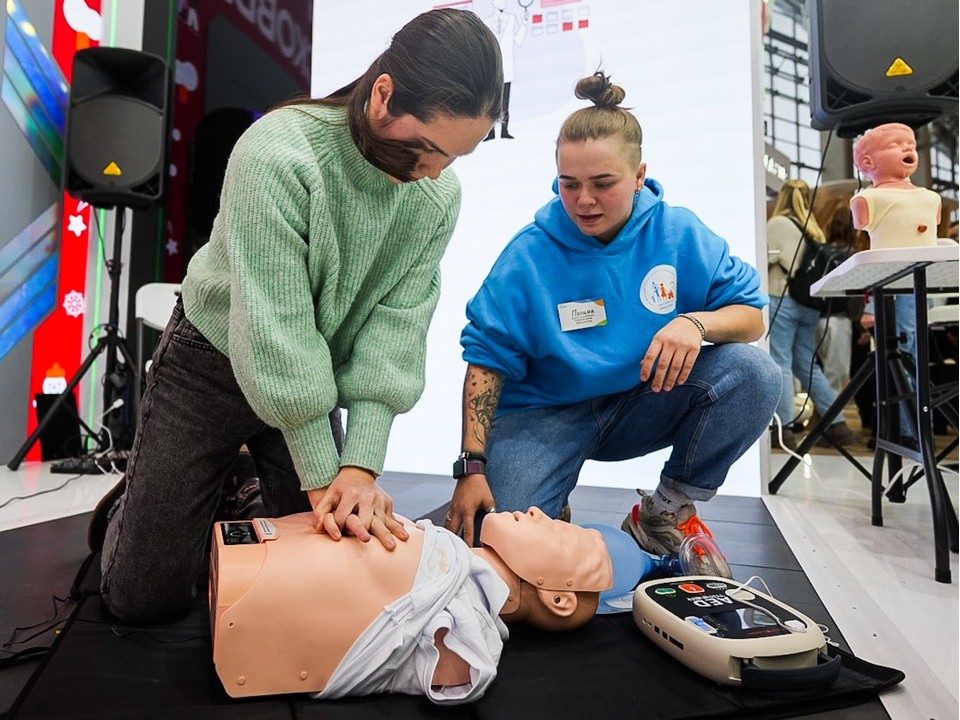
[(111, 343)]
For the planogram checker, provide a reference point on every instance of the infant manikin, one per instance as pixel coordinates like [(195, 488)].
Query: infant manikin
[(293, 610), (893, 211)]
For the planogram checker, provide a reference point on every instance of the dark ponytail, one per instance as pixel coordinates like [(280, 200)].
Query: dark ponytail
[(443, 62)]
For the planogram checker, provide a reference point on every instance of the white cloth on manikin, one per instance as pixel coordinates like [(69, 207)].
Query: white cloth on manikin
[(454, 589)]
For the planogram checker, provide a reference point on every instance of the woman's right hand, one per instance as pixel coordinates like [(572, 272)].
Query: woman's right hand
[(355, 504), (472, 495)]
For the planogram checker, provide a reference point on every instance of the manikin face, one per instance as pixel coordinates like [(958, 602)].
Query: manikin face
[(597, 183), (446, 138), (534, 528), (536, 546), (892, 155)]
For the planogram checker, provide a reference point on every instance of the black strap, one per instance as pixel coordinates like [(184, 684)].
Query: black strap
[(800, 227)]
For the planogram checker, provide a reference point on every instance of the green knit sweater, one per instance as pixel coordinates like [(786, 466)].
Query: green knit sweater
[(319, 282)]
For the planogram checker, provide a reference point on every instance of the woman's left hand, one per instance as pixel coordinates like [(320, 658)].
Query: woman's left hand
[(673, 350), (356, 504)]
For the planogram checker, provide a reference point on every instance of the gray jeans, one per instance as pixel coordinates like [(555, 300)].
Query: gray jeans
[(194, 419)]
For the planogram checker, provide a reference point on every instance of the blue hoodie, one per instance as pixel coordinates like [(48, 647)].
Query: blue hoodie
[(663, 262)]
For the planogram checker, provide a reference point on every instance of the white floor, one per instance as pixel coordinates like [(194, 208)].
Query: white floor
[(876, 582)]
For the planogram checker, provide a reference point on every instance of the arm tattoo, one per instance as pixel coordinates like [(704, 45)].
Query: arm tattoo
[(481, 395)]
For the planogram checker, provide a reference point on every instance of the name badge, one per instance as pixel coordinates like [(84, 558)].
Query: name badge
[(583, 314)]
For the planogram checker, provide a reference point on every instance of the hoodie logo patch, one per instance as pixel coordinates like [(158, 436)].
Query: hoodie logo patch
[(658, 291)]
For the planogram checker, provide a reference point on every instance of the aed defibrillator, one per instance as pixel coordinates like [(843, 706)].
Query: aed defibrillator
[(734, 634)]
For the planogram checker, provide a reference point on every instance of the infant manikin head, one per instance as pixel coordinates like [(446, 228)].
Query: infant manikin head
[(559, 568), (887, 154)]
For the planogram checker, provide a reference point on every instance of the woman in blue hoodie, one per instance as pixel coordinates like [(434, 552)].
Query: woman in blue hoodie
[(612, 326)]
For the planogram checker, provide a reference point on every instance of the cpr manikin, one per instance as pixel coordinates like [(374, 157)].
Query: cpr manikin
[(893, 211), (295, 611)]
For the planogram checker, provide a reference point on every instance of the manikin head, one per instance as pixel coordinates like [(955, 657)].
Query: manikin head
[(887, 154), (555, 570)]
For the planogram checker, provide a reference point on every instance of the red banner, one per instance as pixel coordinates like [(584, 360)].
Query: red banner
[(58, 343)]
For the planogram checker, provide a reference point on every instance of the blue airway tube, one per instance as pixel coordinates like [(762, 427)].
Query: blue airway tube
[(632, 565)]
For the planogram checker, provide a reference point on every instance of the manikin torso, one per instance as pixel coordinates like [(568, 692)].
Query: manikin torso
[(896, 217), (295, 566)]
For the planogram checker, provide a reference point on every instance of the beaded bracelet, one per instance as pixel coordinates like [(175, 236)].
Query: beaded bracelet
[(691, 318)]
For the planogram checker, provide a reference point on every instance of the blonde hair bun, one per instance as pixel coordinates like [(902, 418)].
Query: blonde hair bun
[(598, 89)]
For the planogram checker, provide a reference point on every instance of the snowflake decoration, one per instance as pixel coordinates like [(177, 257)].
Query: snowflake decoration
[(74, 303), (77, 226), (172, 247)]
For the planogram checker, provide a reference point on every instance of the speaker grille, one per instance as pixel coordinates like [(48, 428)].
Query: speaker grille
[(839, 96), (948, 88)]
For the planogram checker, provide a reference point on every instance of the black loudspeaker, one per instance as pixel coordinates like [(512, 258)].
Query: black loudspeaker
[(878, 61), (117, 128)]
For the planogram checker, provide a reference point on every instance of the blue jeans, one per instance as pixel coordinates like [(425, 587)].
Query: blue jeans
[(534, 456), (792, 343), (905, 307), (194, 419)]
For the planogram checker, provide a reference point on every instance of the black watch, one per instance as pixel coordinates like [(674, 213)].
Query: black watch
[(469, 463)]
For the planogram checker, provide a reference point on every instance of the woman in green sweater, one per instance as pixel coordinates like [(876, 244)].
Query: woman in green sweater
[(314, 293)]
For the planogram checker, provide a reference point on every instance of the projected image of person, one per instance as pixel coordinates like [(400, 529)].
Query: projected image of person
[(313, 294), (612, 326), (510, 31)]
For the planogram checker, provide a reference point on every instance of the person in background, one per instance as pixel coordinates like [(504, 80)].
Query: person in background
[(314, 292), (866, 396), (612, 326), (792, 325), (835, 327)]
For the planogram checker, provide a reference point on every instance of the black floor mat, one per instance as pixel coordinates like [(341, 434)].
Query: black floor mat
[(99, 668)]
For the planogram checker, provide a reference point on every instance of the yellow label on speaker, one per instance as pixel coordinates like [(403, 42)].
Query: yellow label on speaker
[(112, 169), (899, 67)]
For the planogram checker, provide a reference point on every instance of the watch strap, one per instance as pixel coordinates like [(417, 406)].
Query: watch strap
[(468, 466)]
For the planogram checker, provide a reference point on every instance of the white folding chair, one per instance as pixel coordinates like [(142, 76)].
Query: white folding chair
[(153, 304)]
